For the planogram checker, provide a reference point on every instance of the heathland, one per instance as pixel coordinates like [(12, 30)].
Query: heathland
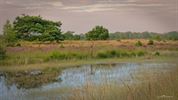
[(35, 52)]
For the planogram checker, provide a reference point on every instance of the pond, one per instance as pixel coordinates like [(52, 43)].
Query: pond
[(77, 77)]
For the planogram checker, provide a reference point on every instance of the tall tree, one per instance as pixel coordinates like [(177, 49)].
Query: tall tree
[(98, 33), (28, 27)]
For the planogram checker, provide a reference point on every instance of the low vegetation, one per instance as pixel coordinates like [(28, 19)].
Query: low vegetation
[(150, 42), (138, 44), (160, 87)]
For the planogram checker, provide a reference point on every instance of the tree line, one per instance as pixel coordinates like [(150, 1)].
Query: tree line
[(35, 28)]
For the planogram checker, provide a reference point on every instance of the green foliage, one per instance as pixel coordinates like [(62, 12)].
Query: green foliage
[(98, 33), (66, 55), (172, 35), (36, 28), (138, 43), (18, 45), (9, 34), (144, 35), (150, 42), (2, 49), (132, 35), (158, 38), (157, 53), (69, 35), (119, 54)]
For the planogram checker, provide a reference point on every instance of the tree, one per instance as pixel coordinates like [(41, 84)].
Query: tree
[(36, 27), (98, 33), (68, 35), (9, 34)]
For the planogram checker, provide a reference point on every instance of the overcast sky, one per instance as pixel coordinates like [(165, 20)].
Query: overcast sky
[(81, 15)]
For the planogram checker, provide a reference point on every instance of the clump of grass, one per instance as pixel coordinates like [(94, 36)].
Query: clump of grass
[(66, 56), (150, 42), (138, 44)]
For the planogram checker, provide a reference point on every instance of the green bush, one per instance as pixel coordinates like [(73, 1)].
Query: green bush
[(2, 53), (140, 53), (157, 54), (18, 45), (66, 56), (2, 49), (150, 42), (102, 55), (57, 55), (114, 53), (138, 44)]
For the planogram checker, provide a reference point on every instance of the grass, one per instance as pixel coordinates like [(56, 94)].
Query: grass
[(158, 87), (67, 53)]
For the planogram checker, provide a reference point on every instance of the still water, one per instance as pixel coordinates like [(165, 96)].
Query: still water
[(76, 77)]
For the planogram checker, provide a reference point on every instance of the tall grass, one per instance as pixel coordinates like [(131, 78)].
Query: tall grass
[(28, 57), (120, 54), (160, 87)]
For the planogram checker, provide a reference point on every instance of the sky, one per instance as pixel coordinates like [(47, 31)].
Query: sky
[(82, 15)]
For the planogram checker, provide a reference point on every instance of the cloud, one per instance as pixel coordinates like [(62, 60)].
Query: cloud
[(106, 7)]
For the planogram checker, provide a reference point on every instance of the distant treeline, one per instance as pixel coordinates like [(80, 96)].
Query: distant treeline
[(35, 28), (145, 35)]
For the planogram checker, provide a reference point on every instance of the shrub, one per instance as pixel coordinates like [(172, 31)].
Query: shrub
[(150, 42), (2, 53), (124, 54), (138, 43), (102, 55), (133, 54), (157, 54), (2, 49), (18, 45), (140, 53), (66, 55), (57, 55), (112, 53), (119, 40)]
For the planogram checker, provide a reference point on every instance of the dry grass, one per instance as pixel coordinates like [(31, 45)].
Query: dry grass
[(159, 87), (86, 45)]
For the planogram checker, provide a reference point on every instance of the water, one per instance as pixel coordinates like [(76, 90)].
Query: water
[(129, 73)]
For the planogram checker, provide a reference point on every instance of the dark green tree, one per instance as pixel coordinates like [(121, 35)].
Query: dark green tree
[(98, 33), (34, 27)]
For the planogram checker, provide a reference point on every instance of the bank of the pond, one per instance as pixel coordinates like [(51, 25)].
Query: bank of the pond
[(61, 64)]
